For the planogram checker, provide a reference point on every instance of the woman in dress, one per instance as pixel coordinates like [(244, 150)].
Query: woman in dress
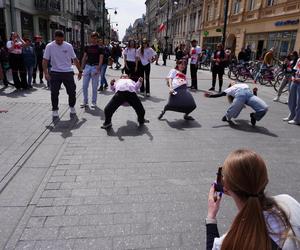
[(180, 99)]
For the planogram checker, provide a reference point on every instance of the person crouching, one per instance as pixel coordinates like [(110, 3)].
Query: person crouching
[(125, 92)]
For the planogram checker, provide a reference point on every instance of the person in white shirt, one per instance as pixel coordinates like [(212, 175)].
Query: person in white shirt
[(146, 55), (195, 53), (125, 93), (14, 46), (262, 222), (61, 55), (130, 58), (180, 99), (240, 95)]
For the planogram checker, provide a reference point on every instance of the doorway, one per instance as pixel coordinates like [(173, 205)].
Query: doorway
[(260, 47)]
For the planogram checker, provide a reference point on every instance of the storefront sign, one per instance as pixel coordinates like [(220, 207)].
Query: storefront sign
[(206, 33), (287, 22)]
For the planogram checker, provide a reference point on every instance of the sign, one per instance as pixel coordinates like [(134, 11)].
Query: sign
[(205, 33), (287, 22)]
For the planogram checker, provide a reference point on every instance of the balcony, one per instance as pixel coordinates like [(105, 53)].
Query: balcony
[(48, 7)]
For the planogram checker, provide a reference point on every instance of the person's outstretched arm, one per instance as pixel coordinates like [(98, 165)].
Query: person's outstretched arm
[(211, 95)]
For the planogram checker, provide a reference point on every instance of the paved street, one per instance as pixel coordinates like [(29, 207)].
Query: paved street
[(72, 185)]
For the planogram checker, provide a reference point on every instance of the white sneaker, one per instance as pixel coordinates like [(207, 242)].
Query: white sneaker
[(276, 99), (286, 119), (93, 105), (84, 105), (72, 110), (55, 113), (293, 122)]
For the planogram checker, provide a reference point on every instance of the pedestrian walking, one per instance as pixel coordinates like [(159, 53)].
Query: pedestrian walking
[(195, 53), (180, 99), (165, 56), (39, 47), (106, 57), (14, 46), (240, 95), (218, 66), (91, 63), (29, 58), (4, 61), (125, 93), (146, 55), (62, 55), (130, 59), (116, 53), (262, 222), (294, 98), (288, 69)]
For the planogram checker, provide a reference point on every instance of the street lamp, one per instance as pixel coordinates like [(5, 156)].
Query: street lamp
[(103, 17), (226, 4)]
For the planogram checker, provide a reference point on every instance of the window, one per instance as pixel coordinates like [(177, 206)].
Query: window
[(236, 6), (270, 2), (251, 4)]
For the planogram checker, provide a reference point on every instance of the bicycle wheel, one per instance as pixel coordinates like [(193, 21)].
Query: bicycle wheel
[(231, 74), (241, 75)]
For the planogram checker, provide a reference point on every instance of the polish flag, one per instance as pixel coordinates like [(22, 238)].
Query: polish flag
[(161, 27)]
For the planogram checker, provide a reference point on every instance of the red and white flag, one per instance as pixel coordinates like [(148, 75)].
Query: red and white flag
[(161, 27)]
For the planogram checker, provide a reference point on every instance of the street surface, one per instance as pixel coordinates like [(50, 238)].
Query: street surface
[(73, 185)]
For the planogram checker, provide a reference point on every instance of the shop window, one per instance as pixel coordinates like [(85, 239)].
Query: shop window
[(251, 5), (270, 2)]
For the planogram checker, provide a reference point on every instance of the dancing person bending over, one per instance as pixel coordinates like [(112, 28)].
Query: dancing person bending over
[(125, 93), (180, 99), (240, 95), (262, 222)]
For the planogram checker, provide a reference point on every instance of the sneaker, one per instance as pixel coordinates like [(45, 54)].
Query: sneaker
[(253, 120), (161, 115), (106, 125), (286, 119), (84, 105), (225, 119), (93, 105), (106, 85), (293, 122), (55, 113), (276, 99), (72, 111), (188, 118), (212, 89), (100, 88), (143, 122), (148, 94)]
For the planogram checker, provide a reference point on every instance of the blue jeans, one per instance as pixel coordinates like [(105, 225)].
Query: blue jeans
[(261, 70), (88, 73), (245, 96), (103, 80), (29, 70), (294, 102)]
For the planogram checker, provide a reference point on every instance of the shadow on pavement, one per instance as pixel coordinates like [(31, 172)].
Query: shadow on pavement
[(151, 99), (106, 92), (15, 93), (244, 125), (66, 127), (182, 124), (95, 112), (131, 129)]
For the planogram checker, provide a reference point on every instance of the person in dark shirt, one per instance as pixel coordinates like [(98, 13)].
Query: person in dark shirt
[(39, 48), (91, 62), (106, 55)]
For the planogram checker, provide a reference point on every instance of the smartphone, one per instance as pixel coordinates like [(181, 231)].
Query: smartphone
[(218, 184)]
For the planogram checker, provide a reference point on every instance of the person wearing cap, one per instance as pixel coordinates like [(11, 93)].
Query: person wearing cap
[(125, 93), (195, 53), (39, 48), (61, 55)]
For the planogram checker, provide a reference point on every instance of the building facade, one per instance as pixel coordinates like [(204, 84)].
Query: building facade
[(262, 24), (43, 17)]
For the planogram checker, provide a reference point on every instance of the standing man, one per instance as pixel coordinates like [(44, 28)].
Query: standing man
[(39, 48), (61, 55), (91, 63), (195, 52)]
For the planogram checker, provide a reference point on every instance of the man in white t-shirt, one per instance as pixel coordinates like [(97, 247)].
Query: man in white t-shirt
[(195, 52), (61, 54)]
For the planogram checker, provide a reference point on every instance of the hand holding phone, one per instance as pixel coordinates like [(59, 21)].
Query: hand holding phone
[(218, 186)]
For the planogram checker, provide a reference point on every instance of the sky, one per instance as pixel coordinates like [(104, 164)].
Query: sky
[(128, 11)]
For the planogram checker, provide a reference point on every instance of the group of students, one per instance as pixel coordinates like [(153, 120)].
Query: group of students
[(23, 58)]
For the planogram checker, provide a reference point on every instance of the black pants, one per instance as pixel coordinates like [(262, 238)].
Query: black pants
[(144, 71), (194, 68), (39, 65), (18, 70), (67, 78), (220, 72), (130, 71), (118, 99)]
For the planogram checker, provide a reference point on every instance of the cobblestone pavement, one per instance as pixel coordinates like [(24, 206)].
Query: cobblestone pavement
[(76, 186)]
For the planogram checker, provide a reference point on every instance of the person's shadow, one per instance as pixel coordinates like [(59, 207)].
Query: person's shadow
[(95, 112), (181, 124), (131, 129), (66, 127), (243, 125), (151, 99)]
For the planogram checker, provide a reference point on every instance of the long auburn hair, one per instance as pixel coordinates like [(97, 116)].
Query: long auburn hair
[(245, 174)]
